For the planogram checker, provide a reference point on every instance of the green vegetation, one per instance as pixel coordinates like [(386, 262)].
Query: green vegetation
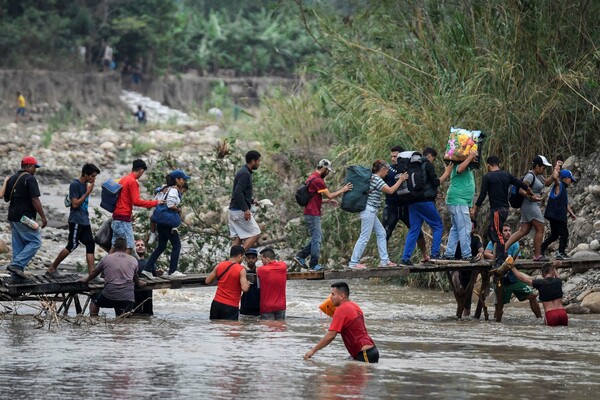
[(169, 36)]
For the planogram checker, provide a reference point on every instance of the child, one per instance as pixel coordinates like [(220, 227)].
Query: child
[(557, 210)]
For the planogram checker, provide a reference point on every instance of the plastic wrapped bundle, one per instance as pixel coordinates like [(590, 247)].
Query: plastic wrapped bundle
[(461, 142)]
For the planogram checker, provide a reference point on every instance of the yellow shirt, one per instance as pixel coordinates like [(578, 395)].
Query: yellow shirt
[(21, 101)]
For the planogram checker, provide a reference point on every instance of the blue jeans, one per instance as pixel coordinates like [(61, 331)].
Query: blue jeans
[(123, 229), (418, 213), (313, 248), (460, 232), (25, 243), (165, 234), (368, 222)]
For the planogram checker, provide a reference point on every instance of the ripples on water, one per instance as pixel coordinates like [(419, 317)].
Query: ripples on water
[(425, 353)]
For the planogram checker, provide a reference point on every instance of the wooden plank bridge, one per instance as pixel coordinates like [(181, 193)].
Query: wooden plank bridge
[(67, 289)]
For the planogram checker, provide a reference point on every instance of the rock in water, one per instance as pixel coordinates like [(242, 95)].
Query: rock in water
[(577, 308), (592, 302)]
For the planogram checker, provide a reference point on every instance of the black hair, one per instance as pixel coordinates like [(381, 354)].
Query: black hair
[(186, 186), (493, 160), (342, 287), (269, 253), (428, 151), (251, 156), (89, 169), (547, 269), (378, 165), (399, 149), (139, 164), (236, 251), (474, 222), (170, 181), (120, 244)]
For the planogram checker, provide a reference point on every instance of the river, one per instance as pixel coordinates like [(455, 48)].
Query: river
[(425, 353)]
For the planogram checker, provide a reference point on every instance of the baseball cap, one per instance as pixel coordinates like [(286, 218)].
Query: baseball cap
[(179, 174), (541, 160), (29, 160), (252, 251), (325, 163), (565, 173)]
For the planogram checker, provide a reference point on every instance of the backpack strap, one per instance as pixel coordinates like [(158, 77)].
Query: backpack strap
[(15, 185), (226, 269)]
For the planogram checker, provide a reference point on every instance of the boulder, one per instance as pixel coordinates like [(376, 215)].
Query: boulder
[(576, 308), (595, 245), (4, 247), (597, 226), (592, 302)]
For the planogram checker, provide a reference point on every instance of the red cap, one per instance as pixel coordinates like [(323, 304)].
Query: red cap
[(29, 160)]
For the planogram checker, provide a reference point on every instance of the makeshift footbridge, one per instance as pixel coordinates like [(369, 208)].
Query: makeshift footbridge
[(67, 290)]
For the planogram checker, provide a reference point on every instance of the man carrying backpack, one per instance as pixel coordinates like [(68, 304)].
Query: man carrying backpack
[(129, 197), (495, 184), (422, 205), (312, 213), (396, 209)]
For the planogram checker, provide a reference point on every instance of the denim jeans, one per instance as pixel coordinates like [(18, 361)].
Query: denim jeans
[(313, 248), (165, 234), (368, 222), (25, 243), (123, 229), (460, 232), (273, 316), (418, 213)]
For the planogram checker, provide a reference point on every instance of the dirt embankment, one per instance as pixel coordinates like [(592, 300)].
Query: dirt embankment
[(99, 92)]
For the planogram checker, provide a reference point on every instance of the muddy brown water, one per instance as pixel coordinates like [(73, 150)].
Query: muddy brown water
[(179, 353)]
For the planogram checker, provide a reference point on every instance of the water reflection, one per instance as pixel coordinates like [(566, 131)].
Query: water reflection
[(425, 353)]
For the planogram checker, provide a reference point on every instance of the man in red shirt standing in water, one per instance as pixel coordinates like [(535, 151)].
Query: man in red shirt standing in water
[(348, 320), (272, 278), (231, 282)]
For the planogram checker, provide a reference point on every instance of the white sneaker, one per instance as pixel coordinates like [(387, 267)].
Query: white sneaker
[(148, 275), (177, 274), (152, 238)]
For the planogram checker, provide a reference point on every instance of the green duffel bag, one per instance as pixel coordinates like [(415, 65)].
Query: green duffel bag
[(355, 200)]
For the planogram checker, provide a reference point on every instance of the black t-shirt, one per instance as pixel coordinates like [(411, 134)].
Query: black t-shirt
[(549, 288), (495, 185), (476, 244), (250, 303), (25, 189)]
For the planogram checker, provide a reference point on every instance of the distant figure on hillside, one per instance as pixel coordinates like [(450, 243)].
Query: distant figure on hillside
[(231, 282), (121, 274), (242, 226), (80, 229), (348, 319), (107, 57), (550, 288), (21, 107), (140, 115), (136, 72)]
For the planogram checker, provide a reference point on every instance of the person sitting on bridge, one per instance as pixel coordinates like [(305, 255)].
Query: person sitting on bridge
[(231, 282), (120, 274), (273, 280), (550, 288), (250, 305), (348, 319), (510, 283)]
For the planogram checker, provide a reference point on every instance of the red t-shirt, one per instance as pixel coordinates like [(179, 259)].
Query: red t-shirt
[(315, 188), (229, 288), (273, 280), (348, 320), (129, 197)]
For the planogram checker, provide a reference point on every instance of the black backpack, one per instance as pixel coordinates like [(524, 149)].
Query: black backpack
[(514, 197), (355, 200), (417, 184), (302, 194)]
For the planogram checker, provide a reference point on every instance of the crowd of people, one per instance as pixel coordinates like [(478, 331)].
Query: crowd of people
[(262, 290)]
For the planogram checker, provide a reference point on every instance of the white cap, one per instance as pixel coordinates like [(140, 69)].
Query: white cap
[(541, 160), (325, 163)]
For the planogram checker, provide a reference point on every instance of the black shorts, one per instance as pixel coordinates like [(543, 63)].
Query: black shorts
[(120, 306), (81, 234), (369, 356), (223, 311)]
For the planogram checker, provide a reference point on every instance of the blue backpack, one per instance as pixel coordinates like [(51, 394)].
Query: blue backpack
[(110, 194)]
